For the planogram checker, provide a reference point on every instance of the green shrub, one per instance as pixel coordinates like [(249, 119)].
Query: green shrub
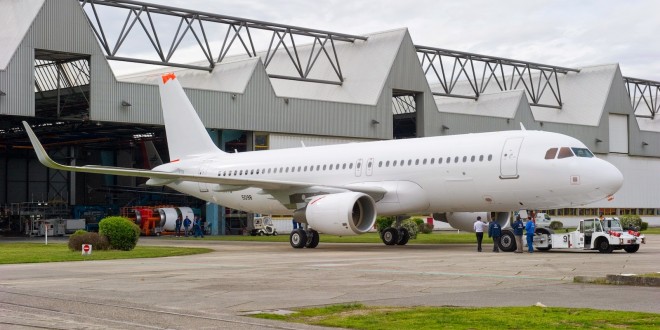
[(81, 237), (412, 227), (426, 228), (418, 221), (645, 225), (384, 222), (631, 221), (121, 232), (555, 225)]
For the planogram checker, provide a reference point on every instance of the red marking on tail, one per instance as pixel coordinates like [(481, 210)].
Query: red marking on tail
[(168, 76)]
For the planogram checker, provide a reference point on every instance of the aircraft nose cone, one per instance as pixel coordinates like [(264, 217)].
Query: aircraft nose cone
[(612, 178)]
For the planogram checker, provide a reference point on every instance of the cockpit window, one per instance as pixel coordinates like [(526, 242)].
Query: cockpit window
[(565, 152), (551, 153), (582, 152)]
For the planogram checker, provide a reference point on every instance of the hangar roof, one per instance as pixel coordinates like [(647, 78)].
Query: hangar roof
[(584, 95), (17, 17), (228, 76), (500, 104), (365, 74)]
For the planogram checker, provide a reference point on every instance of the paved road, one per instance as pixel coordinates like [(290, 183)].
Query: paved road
[(215, 290)]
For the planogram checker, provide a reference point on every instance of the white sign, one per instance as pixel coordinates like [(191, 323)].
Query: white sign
[(87, 249)]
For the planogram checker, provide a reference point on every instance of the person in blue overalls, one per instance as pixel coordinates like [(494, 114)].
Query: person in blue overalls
[(495, 231), (518, 233), (529, 227), (186, 226), (197, 225)]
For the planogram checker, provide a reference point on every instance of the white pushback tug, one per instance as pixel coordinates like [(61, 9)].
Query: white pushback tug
[(604, 235)]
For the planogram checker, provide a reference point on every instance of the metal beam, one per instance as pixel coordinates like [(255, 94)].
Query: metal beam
[(448, 67), (194, 24), (643, 93)]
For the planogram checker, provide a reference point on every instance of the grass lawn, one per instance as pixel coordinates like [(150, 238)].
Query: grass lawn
[(18, 253), (449, 237), (358, 316)]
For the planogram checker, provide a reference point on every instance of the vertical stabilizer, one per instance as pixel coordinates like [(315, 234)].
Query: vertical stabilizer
[(186, 135)]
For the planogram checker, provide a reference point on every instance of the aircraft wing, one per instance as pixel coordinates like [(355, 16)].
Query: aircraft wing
[(163, 178)]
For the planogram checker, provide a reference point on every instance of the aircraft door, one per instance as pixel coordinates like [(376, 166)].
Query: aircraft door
[(509, 158), (358, 167), (203, 186), (370, 166)]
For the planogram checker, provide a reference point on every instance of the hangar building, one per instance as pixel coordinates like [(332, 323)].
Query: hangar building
[(268, 86)]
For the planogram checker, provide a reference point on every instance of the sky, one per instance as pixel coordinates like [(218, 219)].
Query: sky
[(562, 33)]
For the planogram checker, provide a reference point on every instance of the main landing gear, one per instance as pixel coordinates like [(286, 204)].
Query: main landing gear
[(395, 236), (301, 238)]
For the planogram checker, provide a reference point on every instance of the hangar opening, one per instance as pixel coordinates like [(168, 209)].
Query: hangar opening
[(404, 110), (61, 84)]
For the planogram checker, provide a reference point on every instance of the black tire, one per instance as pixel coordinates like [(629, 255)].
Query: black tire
[(261, 233), (604, 246), (507, 241), (275, 233), (312, 239), (390, 236), (404, 236), (546, 231), (298, 239), (631, 248)]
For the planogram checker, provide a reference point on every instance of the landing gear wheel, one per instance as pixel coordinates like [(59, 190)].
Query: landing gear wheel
[(298, 238), (631, 248), (604, 246), (390, 236), (507, 242), (404, 236), (312, 239)]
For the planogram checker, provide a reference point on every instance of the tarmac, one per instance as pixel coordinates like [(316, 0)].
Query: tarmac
[(216, 290)]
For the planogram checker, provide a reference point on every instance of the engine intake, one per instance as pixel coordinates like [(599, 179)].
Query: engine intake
[(343, 214)]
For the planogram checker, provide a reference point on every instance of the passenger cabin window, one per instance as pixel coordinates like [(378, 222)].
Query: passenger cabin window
[(582, 152), (551, 153), (565, 152)]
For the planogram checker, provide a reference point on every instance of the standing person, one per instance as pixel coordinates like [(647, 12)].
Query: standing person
[(495, 231), (518, 233), (186, 225), (479, 230), (530, 227), (177, 226), (197, 224)]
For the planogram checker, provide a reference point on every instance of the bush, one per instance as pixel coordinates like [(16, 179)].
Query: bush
[(121, 232), (631, 221), (412, 227), (418, 221), (384, 222), (555, 225), (426, 228), (81, 237), (645, 225)]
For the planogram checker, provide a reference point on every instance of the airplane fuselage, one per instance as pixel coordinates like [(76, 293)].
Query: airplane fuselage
[(497, 171)]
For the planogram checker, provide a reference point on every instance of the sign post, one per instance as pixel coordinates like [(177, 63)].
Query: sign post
[(87, 249)]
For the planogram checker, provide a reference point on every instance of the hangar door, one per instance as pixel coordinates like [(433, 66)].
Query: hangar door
[(509, 158)]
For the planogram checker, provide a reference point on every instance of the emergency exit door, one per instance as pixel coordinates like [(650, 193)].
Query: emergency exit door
[(509, 158)]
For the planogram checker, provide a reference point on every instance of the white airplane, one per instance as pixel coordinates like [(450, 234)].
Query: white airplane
[(339, 189)]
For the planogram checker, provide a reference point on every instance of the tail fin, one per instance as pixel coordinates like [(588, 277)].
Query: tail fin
[(186, 135)]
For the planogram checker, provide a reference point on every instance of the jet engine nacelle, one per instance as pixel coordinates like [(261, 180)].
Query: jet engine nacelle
[(343, 214), (465, 220)]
